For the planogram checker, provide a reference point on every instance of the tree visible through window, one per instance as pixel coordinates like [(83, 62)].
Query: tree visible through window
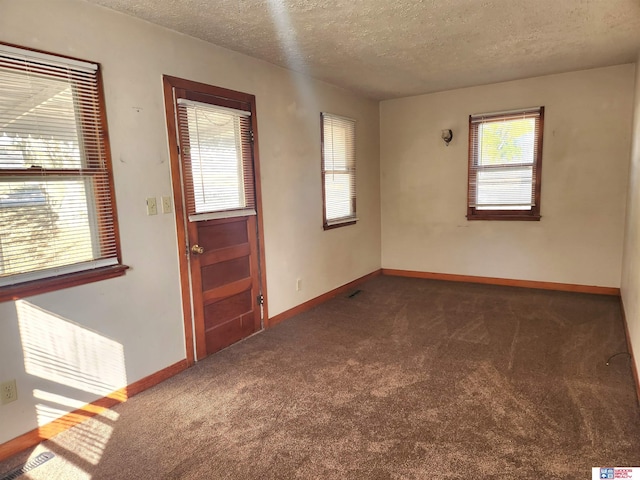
[(505, 160), (56, 204)]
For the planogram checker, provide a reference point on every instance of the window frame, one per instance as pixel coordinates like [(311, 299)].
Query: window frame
[(329, 224), (533, 214), (58, 281)]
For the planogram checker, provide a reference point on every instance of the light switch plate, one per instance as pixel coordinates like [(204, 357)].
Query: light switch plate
[(152, 206), (166, 204)]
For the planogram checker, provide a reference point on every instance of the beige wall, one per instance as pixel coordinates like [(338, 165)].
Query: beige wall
[(584, 181), (630, 287), (117, 331)]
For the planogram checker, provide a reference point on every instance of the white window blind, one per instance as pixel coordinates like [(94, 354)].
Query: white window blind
[(57, 211), (338, 169), (504, 160), (217, 155)]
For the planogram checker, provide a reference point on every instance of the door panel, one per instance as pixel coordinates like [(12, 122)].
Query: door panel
[(222, 233), (222, 273), (217, 313), (229, 333)]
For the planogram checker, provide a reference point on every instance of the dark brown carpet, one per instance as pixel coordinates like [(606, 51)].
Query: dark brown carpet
[(409, 379)]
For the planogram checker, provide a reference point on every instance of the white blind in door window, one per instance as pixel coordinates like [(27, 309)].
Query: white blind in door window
[(338, 169), (56, 203), (503, 164), (216, 149)]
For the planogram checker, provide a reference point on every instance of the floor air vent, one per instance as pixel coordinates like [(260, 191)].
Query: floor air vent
[(30, 465)]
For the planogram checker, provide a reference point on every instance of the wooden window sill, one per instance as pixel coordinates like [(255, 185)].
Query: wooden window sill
[(529, 218), (36, 287), (338, 225)]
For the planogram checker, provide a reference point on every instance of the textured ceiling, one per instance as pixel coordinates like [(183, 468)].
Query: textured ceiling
[(387, 49)]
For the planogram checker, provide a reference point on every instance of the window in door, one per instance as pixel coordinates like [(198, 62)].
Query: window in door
[(218, 167), (505, 163)]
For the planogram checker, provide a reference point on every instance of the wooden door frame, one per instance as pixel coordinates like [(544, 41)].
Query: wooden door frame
[(169, 84)]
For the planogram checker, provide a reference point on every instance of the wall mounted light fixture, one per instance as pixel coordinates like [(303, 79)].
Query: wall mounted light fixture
[(447, 136)]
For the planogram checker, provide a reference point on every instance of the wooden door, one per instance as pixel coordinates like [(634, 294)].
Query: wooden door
[(217, 197)]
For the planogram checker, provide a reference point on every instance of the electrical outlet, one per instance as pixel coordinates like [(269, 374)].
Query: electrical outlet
[(298, 285), (166, 204), (8, 392), (152, 206)]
